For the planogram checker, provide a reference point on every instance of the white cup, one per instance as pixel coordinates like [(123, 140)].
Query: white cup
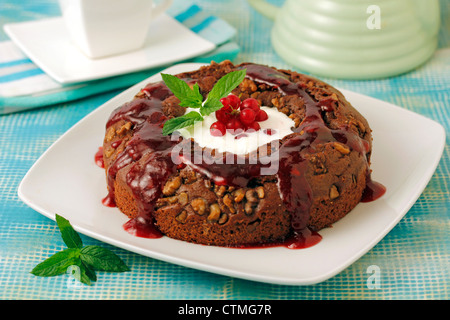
[(101, 28)]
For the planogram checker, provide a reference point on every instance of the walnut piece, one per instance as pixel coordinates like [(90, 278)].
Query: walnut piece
[(334, 193), (199, 206), (214, 214)]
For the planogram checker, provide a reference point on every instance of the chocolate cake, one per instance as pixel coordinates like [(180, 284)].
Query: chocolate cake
[(323, 166)]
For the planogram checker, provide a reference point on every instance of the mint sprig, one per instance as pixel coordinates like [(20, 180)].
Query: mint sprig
[(88, 259), (192, 98), (188, 97), (181, 122)]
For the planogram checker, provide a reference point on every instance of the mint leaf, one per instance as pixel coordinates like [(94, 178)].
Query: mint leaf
[(210, 106), (226, 84), (57, 264), (193, 98), (83, 273), (102, 259), (194, 101), (68, 234), (188, 97), (84, 260), (87, 271), (186, 120), (221, 89)]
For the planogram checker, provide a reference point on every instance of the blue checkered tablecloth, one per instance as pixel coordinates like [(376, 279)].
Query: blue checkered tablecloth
[(413, 258)]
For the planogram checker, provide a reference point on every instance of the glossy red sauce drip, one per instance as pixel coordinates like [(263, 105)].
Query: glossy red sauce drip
[(109, 201), (148, 157), (302, 239), (373, 191), (142, 228), (98, 158)]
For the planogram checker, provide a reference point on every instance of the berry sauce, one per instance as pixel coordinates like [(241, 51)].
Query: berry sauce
[(99, 158), (148, 157), (147, 154)]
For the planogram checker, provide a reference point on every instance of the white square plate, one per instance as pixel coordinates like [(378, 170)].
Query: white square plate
[(406, 150), (46, 42)]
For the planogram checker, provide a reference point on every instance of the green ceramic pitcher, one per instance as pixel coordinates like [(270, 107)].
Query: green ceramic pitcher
[(354, 39)]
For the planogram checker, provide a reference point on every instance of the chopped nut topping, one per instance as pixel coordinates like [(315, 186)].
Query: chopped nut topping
[(251, 195), (334, 193), (260, 192), (110, 134), (319, 167), (220, 190), (239, 195), (208, 184), (169, 200), (182, 217), (214, 214), (248, 85), (223, 218), (248, 208), (229, 203), (341, 148), (199, 206), (124, 128), (172, 186), (108, 152), (183, 198), (361, 126)]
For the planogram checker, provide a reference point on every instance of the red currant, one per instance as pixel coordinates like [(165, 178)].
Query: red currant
[(253, 127), (261, 116), (231, 101), (251, 103), (224, 115), (234, 101), (247, 116), (270, 132), (218, 129), (235, 126), (225, 102), (237, 117)]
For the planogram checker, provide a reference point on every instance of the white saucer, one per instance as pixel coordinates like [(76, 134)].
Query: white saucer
[(407, 148), (46, 43)]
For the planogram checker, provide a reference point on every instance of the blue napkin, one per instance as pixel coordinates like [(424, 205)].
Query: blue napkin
[(24, 86)]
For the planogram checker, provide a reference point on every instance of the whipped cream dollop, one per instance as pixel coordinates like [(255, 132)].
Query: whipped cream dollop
[(277, 126)]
